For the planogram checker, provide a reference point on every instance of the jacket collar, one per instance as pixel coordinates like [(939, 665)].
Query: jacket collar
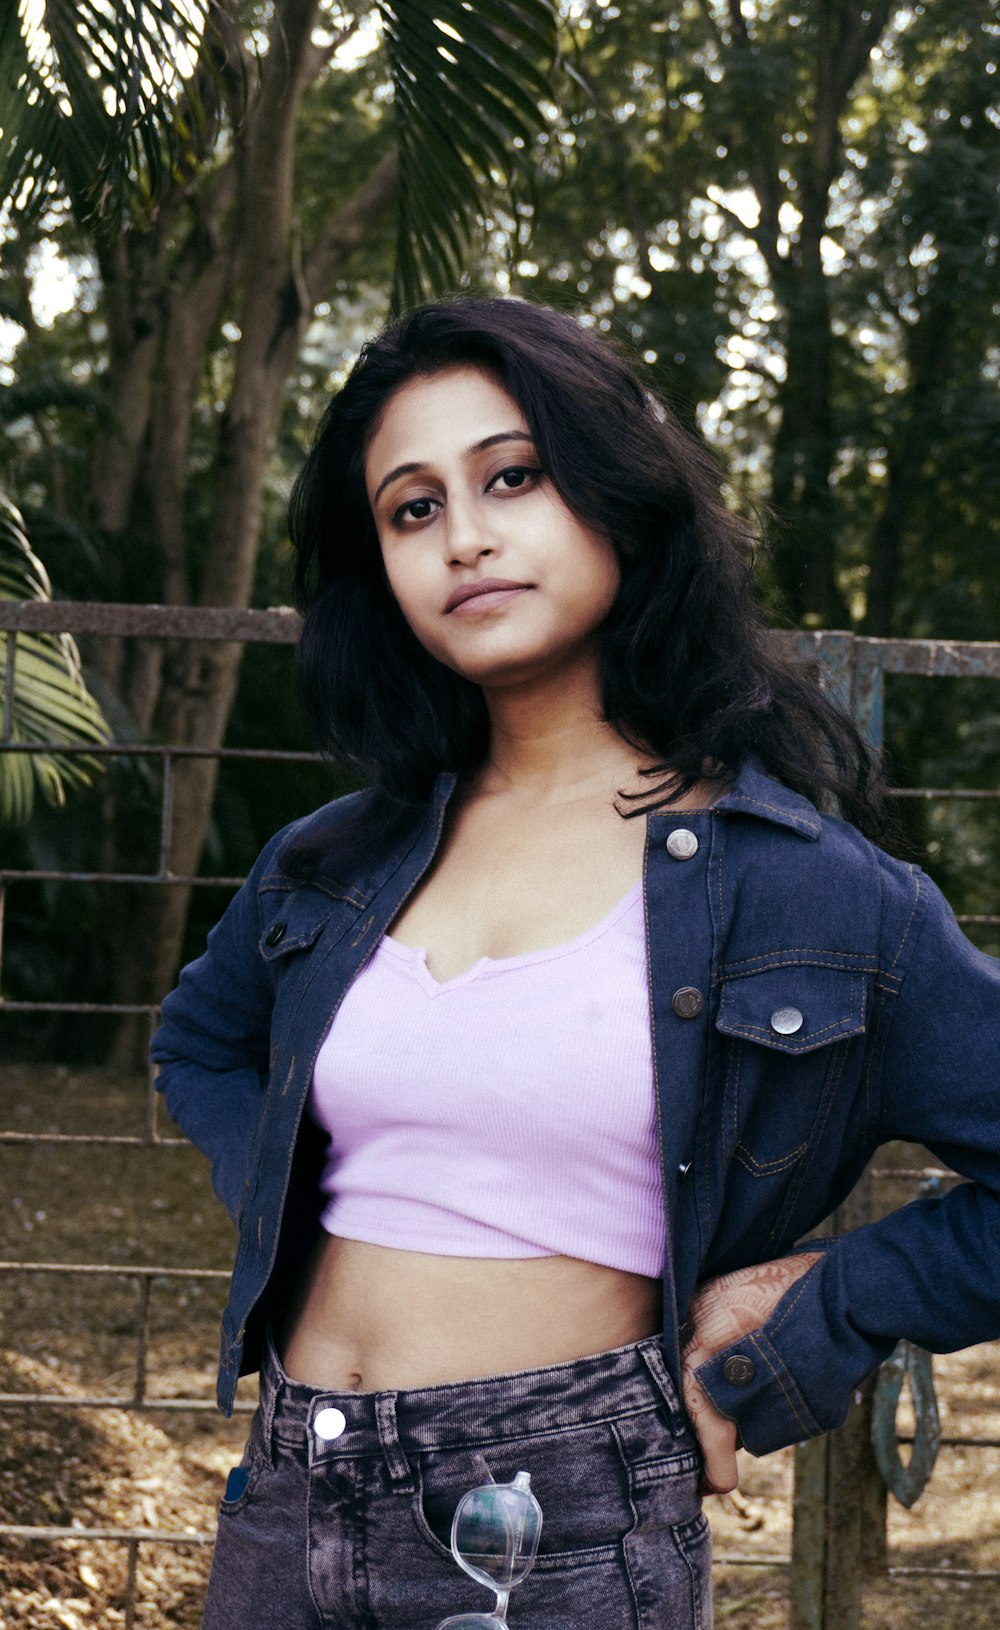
[(756, 793), (753, 792), (313, 849)]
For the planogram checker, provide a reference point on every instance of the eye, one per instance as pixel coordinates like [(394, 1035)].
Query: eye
[(416, 509), (514, 478)]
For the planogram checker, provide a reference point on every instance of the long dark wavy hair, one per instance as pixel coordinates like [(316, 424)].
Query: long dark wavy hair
[(688, 666)]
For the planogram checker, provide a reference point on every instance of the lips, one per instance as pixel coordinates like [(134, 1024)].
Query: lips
[(486, 585)]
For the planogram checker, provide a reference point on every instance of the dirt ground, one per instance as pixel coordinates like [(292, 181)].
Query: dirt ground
[(163, 1470)]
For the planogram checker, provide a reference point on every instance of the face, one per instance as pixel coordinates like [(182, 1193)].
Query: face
[(462, 504)]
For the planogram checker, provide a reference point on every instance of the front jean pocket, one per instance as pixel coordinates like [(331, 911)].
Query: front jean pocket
[(668, 1548), (576, 1475)]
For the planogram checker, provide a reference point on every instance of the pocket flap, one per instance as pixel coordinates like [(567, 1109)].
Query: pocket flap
[(295, 922), (794, 1009)]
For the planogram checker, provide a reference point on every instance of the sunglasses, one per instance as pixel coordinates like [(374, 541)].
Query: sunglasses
[(494, 1538)]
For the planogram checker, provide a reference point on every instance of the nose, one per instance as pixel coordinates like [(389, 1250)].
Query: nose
[(466, 536)]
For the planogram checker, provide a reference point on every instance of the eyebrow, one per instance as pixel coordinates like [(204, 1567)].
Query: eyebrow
[(477, 447)]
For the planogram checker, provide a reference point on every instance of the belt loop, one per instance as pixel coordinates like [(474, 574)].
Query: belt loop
[(392, 1449), (272, 1380), (656, 1364)]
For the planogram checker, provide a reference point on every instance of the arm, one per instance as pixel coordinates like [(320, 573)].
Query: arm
[(928, 1271), (212, 1045)]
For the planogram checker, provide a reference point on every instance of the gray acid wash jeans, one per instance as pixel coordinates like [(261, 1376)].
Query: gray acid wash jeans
[(353, 1532)]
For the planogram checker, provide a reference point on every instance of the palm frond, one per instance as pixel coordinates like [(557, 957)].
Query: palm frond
[(468, 79), (49, 701), (91, 90)]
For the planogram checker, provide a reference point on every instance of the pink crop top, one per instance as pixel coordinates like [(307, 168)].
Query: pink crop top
[(508, 1112)]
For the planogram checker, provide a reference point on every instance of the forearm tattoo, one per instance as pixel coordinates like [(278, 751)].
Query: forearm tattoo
[(727, 1308)]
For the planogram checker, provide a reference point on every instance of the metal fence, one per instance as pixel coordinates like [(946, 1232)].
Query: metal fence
[(832, 1534)]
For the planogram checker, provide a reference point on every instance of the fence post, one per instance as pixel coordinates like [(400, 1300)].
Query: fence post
[(839, 1511)]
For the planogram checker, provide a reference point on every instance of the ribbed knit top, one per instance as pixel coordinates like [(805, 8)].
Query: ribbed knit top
[(508, 1112)]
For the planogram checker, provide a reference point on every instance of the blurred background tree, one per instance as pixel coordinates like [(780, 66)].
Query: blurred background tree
[(790, 210)]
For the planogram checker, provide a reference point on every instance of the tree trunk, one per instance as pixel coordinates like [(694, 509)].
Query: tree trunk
[(930, 360), (805, 445), (199, 679)]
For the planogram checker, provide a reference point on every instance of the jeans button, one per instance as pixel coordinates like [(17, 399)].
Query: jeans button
[(329, 1424)]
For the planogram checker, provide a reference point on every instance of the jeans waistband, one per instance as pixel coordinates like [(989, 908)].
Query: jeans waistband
[(624, 1381)]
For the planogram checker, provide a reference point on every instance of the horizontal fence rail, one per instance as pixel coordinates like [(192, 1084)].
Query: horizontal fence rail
[(852, 668)]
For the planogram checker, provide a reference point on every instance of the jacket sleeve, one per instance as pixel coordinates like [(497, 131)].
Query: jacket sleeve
[(213, 1043), (931, 1270)]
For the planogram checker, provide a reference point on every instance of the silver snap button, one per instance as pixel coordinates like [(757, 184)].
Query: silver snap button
[(786, 1021), (682, 844), (329, 1423)]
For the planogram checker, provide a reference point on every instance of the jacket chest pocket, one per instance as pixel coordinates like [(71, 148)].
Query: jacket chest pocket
[(788, 1037), (292, 922)]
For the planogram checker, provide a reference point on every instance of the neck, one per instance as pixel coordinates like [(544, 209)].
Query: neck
[(549, 744)]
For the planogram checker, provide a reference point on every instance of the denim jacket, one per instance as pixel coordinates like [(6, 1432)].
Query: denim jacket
[(810, 998)]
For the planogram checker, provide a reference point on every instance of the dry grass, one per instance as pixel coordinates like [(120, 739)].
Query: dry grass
[(73, 1335)]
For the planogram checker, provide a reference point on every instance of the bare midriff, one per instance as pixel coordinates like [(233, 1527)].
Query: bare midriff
[(369, 1317)]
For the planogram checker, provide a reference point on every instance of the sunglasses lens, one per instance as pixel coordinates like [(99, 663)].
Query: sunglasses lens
[(495, 1533)]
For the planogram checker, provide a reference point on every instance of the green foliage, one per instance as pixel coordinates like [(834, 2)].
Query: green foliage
[(669, 205), (93, 108), (110, 105), (49, 701), (467, 81)]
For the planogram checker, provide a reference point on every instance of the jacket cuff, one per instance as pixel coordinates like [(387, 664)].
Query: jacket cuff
[(749, 1383), (791, 1379)]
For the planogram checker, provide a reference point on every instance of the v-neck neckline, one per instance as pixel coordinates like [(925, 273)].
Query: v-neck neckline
[(415, 956)]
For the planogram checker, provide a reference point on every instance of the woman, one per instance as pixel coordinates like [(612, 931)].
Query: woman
[(523, 1071)]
